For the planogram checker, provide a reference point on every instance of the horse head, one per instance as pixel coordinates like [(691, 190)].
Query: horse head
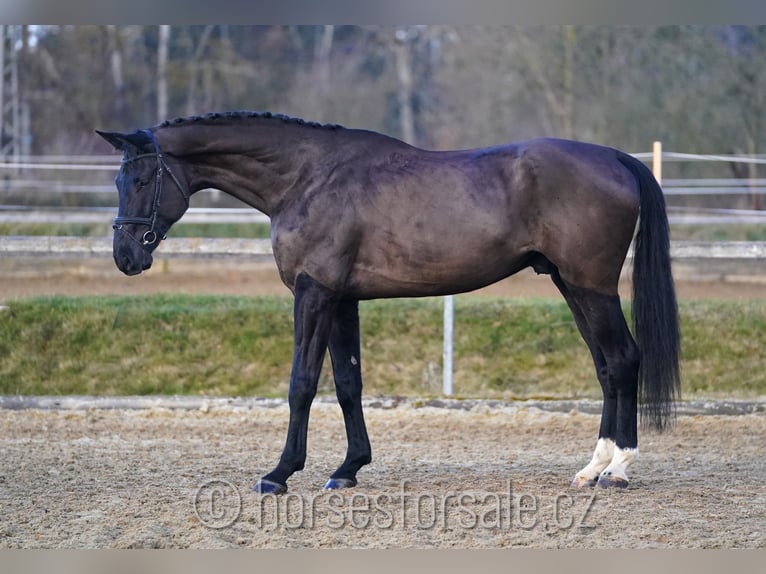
[(146, 212)]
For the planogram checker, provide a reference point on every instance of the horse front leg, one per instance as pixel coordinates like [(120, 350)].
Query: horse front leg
[(347, 371), (313, 310)]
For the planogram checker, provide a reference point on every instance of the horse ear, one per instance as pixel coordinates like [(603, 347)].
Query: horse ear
[(119, 141), (124, 142)]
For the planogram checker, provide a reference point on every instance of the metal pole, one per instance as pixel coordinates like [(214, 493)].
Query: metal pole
[(2, 89), (449, 314)]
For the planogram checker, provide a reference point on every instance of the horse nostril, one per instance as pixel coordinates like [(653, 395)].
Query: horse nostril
[(123, 262)]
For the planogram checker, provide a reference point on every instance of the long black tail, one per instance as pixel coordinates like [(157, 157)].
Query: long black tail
[(655, 311)]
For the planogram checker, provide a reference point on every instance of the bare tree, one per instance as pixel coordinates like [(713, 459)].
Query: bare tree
[(322, 58), (116, 60), (194, 68), (697, 88)]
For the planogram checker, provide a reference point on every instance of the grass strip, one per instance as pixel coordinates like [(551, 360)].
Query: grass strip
[(241, 346)]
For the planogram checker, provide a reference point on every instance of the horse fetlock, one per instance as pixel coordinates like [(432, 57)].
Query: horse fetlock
[(615, 474), (359, 460), (265, 486)]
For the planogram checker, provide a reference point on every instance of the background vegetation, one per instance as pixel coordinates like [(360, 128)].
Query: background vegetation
[(697, 88)]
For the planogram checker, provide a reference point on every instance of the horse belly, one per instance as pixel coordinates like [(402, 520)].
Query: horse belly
[(434, 265)]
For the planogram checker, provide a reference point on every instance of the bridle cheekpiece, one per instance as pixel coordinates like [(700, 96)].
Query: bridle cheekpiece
[(151, 236)]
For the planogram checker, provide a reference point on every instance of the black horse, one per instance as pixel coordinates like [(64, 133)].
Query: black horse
[(358, 215)]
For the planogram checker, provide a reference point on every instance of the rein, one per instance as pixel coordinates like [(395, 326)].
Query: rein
[(150, 237)]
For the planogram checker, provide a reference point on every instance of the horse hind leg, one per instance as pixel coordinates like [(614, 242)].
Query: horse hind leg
[(347, 371), (615, 355), (623, 359), (602, 455)]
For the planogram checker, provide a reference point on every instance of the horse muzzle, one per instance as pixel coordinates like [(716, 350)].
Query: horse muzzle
[(130, 257), (130, 266)]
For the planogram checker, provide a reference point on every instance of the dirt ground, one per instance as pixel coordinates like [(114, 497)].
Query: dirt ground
[(489, 476), (23, 277)]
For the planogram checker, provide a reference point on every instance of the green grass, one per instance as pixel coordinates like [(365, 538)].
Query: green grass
[(57, 229), (504, 348), (750, 232), (743, 232)]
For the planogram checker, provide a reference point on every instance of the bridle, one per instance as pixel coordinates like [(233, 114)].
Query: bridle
[(151, 236)]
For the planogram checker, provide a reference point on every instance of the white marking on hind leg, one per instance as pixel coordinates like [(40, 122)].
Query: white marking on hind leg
[(615, 475), (601, 458)]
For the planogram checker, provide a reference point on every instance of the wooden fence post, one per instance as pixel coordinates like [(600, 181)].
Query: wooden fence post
[(657, 161)]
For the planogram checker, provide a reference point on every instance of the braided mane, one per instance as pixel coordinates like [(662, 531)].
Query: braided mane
[(245, 115)]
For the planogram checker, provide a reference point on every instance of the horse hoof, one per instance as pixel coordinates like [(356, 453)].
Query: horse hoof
[(337, 483), (264, 486), (583, 482), (609, 481)]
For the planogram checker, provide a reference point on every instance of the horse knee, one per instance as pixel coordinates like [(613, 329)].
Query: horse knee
[(348, 395), (301, 393)]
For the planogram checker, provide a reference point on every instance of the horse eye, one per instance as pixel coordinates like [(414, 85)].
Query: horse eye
[(140, 183)]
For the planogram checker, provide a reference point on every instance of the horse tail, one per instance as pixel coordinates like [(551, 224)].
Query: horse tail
[(655, 310)]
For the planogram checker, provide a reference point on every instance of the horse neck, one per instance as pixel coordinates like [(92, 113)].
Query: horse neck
[(257, 164)]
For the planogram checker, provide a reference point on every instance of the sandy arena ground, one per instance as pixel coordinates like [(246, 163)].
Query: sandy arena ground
[(24, 277), (479, 478)]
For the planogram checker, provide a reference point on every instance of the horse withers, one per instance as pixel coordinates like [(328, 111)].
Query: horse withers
[(359, 215)]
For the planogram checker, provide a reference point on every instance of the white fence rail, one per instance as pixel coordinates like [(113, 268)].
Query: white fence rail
[(31, 214), (57, 246), (15, 178)]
